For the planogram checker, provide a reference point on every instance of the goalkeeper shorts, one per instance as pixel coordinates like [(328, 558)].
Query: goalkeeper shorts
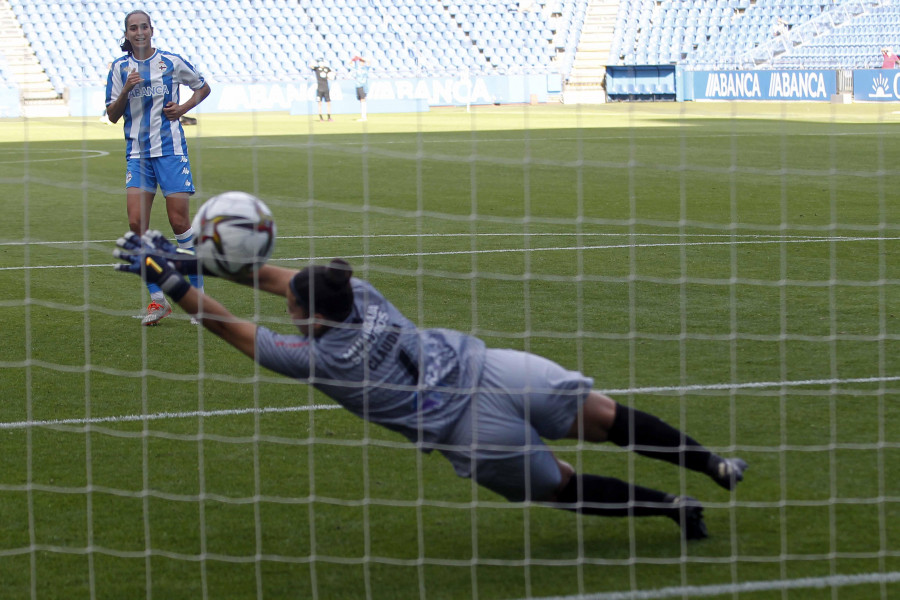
[(497, 441)]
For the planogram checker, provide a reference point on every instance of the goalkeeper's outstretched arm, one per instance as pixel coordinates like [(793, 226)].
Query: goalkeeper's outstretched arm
[(156, 260), (270, 278), (217, 319)]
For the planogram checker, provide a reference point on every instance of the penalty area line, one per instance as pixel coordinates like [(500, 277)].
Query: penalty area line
[(697, 591), (289, 409), (167, 415)]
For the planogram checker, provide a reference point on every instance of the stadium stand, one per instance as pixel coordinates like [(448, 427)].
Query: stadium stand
[(759, 34), (730, 34), (275, 40), (855, 43)]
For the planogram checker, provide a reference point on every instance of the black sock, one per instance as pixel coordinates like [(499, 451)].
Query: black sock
[(610, 497), (650, 436)]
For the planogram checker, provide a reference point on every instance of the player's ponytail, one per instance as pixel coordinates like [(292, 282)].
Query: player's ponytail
[(325, 290)]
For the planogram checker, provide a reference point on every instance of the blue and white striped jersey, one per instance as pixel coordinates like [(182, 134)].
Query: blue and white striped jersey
[(148, 133), (381, 367)]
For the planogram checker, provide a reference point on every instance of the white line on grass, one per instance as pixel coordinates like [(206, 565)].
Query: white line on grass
[(376, 236), (600, 247), (305, 408), (168, 415), (729, 242), (82, 154), (483, 138), (697, 591)]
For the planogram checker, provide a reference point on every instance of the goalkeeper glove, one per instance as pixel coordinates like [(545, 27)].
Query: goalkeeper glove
[(185, 261), (143, 258)]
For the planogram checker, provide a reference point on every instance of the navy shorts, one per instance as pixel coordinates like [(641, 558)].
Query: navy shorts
[(497, 440), (171, 173)]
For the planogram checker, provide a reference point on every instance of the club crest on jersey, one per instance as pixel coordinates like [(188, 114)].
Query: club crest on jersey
[(161, 66)]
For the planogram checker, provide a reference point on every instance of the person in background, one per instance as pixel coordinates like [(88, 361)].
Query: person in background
[(361, 76), (142, 87), (487, 410), (323, 94), (889, 60)]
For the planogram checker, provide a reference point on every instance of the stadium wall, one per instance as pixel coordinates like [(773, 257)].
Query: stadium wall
[(663, 82), (876, 85), (385, 95), (667, 82), (789, 85)]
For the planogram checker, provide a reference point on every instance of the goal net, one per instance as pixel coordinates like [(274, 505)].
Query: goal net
[(728, 267)]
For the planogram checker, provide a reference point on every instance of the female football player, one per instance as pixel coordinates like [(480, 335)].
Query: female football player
[(485, 409), (142, 87)]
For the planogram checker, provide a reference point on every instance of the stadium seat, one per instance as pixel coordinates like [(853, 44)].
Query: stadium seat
[(453, 27)]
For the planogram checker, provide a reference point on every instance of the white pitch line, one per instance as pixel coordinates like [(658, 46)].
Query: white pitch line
[(515, 234), (168, 415), (697, 591), (289, 409), (600, 247), (751, 385), (481, 137), (525, 250), (83, 155)]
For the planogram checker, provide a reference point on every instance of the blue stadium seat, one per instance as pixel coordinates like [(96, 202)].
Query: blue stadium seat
[(346, 22)]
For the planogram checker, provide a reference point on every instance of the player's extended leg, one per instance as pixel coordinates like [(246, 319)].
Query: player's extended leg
[(611, 497), (178, 208), (138, 204), (526, 398), (604, 419)]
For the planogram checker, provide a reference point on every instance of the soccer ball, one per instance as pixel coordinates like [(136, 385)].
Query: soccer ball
[(235, 233)]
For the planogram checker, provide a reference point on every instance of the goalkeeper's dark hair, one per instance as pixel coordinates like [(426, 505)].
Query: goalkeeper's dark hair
[(325, 290), (125, 44)]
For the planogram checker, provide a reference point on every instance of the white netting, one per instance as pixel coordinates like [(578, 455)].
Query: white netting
[(726, 267)]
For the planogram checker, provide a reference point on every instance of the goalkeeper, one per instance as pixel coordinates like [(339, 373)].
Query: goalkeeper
[(484, 409)]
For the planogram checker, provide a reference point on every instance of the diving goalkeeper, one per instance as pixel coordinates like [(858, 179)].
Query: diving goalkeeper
[(486, 410)]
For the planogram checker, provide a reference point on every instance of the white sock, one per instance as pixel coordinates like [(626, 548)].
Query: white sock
[(185, 240)]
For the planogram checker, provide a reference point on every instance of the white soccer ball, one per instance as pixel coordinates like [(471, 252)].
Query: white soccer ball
[(235, 234)]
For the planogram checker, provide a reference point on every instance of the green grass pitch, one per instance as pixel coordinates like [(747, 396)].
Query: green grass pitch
[(732, 268)]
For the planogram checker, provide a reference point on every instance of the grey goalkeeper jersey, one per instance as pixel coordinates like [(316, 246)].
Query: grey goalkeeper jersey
[(381, 367)]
